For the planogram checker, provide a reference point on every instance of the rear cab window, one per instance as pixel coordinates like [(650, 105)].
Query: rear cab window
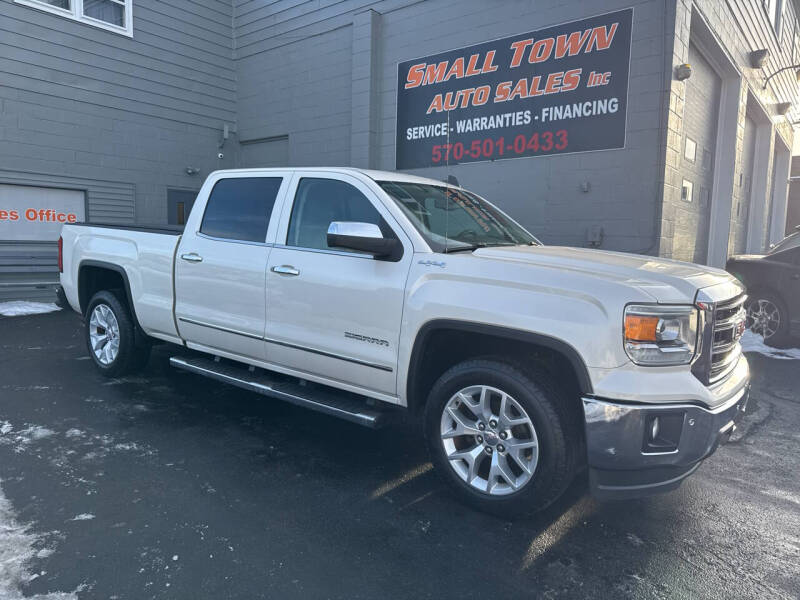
[(239, 208)]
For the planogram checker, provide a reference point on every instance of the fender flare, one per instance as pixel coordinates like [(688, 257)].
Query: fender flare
[(546, 341), (126, 284)]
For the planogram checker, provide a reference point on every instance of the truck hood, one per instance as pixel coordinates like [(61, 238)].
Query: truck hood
[(668, 281)]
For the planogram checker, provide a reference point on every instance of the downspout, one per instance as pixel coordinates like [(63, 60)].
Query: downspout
[(663, 119)]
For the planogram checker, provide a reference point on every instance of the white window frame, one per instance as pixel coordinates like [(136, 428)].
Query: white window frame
[(777, 23), (76, 14)]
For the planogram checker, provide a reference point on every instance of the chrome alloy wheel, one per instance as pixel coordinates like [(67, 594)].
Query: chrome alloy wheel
[(763, 318), (489, 440), (104, 334)]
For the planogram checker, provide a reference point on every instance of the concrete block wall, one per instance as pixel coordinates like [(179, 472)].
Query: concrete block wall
[(737, 27), (123, 118), (294, 67), (294, 61)]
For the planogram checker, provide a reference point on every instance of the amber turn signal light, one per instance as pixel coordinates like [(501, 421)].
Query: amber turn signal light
[(640, 328)]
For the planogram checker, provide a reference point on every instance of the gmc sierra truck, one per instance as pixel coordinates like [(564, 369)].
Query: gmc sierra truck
[(362, 294)]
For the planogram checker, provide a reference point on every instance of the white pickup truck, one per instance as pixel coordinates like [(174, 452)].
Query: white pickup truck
[(363, 294)]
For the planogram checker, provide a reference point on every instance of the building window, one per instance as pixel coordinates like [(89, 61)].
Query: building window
[(774, 9), (686, 190), (690, 149), (114, 15)]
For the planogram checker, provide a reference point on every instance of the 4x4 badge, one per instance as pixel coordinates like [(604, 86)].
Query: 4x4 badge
[(433, 263)]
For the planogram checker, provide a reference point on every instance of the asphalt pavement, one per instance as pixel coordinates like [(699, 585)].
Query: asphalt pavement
[(168, 485)]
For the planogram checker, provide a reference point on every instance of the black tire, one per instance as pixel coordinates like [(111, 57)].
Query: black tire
[(132, 356), (557, 429), (782, 337)]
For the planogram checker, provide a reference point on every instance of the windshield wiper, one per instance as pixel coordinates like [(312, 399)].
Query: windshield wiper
[(461, 249), (473, 247)]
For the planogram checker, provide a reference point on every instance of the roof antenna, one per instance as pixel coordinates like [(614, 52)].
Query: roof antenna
[(453, 180)]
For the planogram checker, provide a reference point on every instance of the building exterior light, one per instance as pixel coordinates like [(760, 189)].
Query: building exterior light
[(758, 58)]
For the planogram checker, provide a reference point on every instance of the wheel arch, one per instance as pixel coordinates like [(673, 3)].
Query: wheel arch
[(762, 288), (95, 275), (425, 366)]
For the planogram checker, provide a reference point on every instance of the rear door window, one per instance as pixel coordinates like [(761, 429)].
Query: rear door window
[(240, 208)]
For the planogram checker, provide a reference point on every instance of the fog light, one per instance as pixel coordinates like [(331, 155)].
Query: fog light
[(662, 433), (654, 427)]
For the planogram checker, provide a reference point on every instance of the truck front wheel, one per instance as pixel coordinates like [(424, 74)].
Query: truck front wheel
[(500, 437), (111, 336)]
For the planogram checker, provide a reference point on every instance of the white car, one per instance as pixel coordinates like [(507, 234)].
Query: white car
[(364, 294)]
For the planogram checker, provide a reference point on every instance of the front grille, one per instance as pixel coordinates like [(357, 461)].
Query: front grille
[(725, 347)]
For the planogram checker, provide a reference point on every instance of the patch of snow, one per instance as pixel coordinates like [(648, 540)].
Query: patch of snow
[(20, 308), (35, 432), (73, 433), (17, 550), (83, 517), (126, 446), (23, 437), (752, 342), (634, 539), (96, 454)]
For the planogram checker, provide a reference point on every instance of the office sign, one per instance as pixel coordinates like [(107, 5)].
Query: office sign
[(30, 213), (557, 90)]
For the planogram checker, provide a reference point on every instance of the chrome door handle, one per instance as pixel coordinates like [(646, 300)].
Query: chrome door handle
[(192, 257), (285, 270)]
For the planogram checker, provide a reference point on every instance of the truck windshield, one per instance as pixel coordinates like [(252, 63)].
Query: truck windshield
[(453, 220)]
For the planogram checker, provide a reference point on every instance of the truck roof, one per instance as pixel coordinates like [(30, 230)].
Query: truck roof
[(371, 173)]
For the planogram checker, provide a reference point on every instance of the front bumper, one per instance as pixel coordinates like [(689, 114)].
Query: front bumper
[(627, 460)]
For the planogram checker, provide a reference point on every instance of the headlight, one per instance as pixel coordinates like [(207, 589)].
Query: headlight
[(660, 335)]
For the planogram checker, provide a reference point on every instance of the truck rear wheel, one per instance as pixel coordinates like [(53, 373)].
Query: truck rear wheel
[(501, 438), (111, 336)]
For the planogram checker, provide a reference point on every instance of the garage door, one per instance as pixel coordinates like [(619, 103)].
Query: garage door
[(741, 211), (30, 224), (693, 215)]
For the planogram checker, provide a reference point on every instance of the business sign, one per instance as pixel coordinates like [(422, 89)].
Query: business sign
[(557, 90), (36, 213)]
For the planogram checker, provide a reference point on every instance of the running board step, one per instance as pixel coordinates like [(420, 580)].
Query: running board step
[(336, 403)]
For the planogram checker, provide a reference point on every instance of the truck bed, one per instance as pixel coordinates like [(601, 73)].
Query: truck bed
[(165, 229), (143, 255)]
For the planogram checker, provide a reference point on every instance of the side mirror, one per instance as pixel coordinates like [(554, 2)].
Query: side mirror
[(364, 237)]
